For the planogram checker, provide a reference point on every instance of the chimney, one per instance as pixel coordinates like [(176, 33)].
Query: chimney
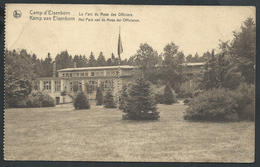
[(74, 65), (54, 69)]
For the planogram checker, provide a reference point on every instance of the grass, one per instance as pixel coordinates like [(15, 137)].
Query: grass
[(100, 134)]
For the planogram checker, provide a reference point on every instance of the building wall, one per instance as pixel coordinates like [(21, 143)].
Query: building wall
[(53, 86), (190, 72)]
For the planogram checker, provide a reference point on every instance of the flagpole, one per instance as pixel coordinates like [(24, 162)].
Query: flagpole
[(118, 70)]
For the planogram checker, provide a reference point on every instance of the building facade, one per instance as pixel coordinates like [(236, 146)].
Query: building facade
[(190, 70), (104, 77), (84, 78)]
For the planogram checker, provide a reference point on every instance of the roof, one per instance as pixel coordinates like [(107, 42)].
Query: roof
[(194, 64), (96, 68)]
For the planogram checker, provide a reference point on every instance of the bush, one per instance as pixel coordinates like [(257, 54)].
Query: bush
[(168, 96), (109, 100), (223, 104), (249, 112), (159, 94), (35, 99), (140, 104), (40, 99), (185, 93), (99, 97), (47, 101), (33, 102), (213, 105), (16, 102), (81, 101), (245, 97), (187, 101)]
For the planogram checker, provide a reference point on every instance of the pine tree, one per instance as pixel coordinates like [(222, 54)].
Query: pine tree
[(81, 101), (99, 97), (109, 100), (123, 97), (168, 96), (140, 103)]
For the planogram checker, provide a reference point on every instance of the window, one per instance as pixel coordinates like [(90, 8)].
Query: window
[(97, 73), (63, 75), (92, 74), (67, 74), (70, 74), (86, 74), (93, 85), (57, 85), (74, 84), (82, 74), (107, 84), (77, 74), (113, 73), (47, 85), (101, 73), (108, 73), (126, 72)]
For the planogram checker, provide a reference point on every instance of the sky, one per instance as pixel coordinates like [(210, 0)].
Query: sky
[(192, 28)]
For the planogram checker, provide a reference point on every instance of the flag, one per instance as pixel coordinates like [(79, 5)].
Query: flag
[(120, 47)]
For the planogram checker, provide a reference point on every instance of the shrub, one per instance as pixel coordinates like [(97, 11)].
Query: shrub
[(186, 101), (185, 93), (197, 92), (140, 104), (35, 99), (47, 101), (15, 102), (81, 101), (159, 94), (213, 105), (168, 96), (99, 97), (245, 97), (33, 102), (109, 100), (249, 112), (40, 99)]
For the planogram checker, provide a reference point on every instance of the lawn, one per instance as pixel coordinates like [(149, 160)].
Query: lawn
[(99, 134)]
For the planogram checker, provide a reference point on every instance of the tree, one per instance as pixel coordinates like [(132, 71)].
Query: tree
[(243, 48), (99, 96), (101, 61), (48, 66), (81, 101), (92, 61), (146, 59), (140, 103), (80, 60), (109, 101), (189, 58), (18, 76), (168, 96), (109, 62), (220, 71), (123, 97), (172, 69), (63, 60)]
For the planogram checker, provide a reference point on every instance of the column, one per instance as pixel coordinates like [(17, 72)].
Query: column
[(98, 82), (83, 85), (62, 85), (52, 88), (41, 85)]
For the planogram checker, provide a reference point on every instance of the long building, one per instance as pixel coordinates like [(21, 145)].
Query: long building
[(86, 77), (92, 77)]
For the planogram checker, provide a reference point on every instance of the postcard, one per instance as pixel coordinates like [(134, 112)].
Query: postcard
[(129, 83)]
